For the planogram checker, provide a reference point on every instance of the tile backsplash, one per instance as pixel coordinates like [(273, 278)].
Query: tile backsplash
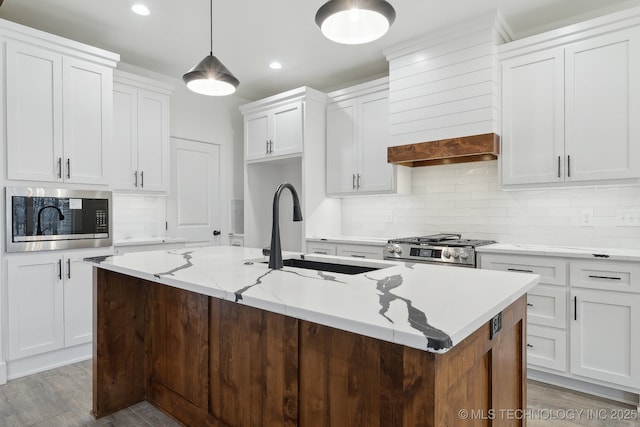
[(136, 216), (466, 198)]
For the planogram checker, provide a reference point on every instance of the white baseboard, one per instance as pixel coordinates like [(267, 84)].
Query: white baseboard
[(43, 362), (617, 395), (3, 373)]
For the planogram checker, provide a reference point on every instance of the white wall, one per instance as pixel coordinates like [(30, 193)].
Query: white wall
[(466, 198), (198, 117)]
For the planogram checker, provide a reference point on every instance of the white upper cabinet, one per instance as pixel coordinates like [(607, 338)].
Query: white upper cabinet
[(569, 107), (357, 140), (274, 132), (59, 111), (141, 133)]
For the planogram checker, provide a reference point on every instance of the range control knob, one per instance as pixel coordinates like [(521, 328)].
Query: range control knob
[(455, 255), (446, 254), (390, 249), (464, 255)]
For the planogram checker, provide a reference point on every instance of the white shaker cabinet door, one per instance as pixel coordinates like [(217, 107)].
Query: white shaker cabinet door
[(605, 336), (87, 118), (532, 118), (153, 141), (256, 135), (376, 174), (125, 137), (34, 113), (78, 286), (341, 147), (35, 309), (286, 134), (603, 106)]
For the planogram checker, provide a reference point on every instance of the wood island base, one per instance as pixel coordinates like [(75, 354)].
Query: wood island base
[(210, 362)]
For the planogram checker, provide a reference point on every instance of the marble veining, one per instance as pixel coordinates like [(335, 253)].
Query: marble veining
[(436, 339), (423, 306)]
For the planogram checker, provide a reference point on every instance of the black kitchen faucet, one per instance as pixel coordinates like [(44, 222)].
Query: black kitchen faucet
[(275, 251)]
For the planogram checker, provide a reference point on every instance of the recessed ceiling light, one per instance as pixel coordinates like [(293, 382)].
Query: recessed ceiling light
[(140, 9), (275, 65)]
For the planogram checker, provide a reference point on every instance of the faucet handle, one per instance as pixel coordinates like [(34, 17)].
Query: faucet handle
[(266, 251)]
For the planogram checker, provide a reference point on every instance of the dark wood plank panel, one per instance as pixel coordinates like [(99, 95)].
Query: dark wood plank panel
[(180, 408), (118, 342), (255, 381), (178, 342), (454, 150)]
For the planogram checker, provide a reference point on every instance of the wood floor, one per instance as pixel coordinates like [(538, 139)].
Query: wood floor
[(62, 398)]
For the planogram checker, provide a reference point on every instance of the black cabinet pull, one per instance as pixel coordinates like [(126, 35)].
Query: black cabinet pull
[(529, 345), (142, 179), (68, 168), (529, 304), (519, 270), (358, 182), (135, 175), (353, 181), (558, 166), (569, 166), (358, 256), (59, 269), (60, 167), (605, 277), (575, 308), (68, 268)]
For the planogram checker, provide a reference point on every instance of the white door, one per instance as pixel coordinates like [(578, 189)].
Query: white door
[(194, 204), (35, 304), (376, 174), (34, 113), (605, 336), (533, 118), (602, 107), (87, 120), (341, 147)]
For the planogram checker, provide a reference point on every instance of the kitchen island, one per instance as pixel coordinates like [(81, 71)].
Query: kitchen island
[(212, 336)]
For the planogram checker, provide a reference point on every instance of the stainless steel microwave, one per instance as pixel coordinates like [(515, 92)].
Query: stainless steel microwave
[(40, 219)]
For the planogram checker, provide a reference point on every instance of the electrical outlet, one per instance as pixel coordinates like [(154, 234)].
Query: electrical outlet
[(628, 217), (586, 218), (387, 216)]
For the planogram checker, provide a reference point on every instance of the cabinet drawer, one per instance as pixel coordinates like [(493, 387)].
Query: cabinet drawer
[(236, 240), (321, 248), (547, 348), (360, 251), (547, 306), (615, 276), (551, 271)]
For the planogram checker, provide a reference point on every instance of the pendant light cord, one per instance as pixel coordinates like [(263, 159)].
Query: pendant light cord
[(211, 26)]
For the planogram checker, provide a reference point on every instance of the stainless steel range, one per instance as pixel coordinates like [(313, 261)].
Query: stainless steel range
[(444, 249)]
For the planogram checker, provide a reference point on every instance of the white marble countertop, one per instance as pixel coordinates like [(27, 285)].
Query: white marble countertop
[(423, 306), (612, 254), (132, 241), (374, 241)]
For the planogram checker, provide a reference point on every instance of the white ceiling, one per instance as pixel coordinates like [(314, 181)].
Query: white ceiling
[(248, 34)]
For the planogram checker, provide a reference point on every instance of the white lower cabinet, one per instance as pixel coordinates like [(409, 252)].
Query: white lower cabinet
[(49, 303), (583, 319), (605, 336), (547, 347), (321, 248)]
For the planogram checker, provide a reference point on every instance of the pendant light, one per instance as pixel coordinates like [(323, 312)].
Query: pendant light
[(355, 21), (210, 76)]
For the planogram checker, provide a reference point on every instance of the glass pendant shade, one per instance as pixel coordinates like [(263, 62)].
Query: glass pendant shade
[(211, 77), (355, 21)]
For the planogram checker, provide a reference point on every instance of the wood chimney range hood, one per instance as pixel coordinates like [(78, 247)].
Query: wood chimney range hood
[(445, 151)]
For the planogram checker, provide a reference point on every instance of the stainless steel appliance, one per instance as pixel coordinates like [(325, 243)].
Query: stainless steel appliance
[(39, 219), (444, 249)]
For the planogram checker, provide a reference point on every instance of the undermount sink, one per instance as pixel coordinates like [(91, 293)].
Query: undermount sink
[(332, 267)]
